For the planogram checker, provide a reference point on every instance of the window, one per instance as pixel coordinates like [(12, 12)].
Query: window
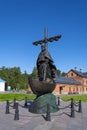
[(73, 89), (77, 89), (83, 81), (86, 81), (69, 89), (71, 74)]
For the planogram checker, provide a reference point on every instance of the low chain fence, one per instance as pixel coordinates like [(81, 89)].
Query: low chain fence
[(72, 105), (15, 105)]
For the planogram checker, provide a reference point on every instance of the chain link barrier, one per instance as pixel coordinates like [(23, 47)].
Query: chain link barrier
[(72, 104)]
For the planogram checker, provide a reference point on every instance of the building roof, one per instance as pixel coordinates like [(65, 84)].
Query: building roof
[(65, 80), (81, 74), (1, 80)]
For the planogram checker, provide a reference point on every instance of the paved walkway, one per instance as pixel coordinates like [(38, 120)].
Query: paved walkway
[(28, 121)]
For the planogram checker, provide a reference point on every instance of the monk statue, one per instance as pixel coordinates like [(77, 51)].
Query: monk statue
[(45, 65)]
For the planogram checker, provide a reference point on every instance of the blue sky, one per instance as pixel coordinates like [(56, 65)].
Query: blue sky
[(23, 21)]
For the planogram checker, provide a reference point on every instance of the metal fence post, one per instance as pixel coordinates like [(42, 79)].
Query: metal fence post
[(7, 107), (25, 102), (14, 103), (72, 108), (80, 107), (48, 118), (16, 116), (58, 101)]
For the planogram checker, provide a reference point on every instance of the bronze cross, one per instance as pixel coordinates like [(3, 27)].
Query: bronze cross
[(46, 39)]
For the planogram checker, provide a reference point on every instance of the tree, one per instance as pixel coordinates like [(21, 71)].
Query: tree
[(13, 77), (63, 73), (34, 73), (26, 80), (58, 72)]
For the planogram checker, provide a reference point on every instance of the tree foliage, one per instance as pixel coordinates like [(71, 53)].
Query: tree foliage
[(58, 72), (63, 73), (14, 77), (34, 73)]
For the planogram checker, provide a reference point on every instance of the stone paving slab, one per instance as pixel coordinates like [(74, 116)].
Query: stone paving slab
[(28, 121)]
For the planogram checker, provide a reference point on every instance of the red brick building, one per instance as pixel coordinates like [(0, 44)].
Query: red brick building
[(74, 82)]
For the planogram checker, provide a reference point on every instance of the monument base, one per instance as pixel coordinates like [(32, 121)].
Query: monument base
[(39, 106)]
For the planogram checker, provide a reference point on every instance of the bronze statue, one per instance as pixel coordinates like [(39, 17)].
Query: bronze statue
[(44, 86), (45, 65), (46, 69)]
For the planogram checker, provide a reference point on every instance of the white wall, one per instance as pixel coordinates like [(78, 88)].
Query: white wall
[(2, 86)]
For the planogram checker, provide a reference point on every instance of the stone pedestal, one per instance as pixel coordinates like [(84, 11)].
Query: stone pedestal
[(39, 106)]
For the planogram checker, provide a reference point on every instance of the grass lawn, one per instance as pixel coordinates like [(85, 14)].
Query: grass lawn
[(11, 96), (83, 98)]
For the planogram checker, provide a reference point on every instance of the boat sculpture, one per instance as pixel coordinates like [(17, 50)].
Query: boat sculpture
[(40, 88)]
